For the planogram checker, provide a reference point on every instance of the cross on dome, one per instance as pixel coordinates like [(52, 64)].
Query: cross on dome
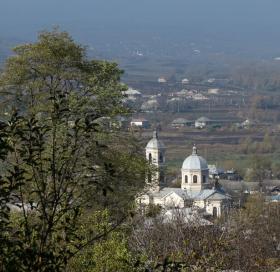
[(194, 152), (155, 134), (155, 142)]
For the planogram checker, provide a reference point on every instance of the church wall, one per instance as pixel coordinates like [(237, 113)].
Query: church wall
[(210, 206), (199, 203), (155, 155), (191, 185), (174, 200)]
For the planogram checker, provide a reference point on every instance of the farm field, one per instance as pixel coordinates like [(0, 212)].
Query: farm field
[(221, 147)]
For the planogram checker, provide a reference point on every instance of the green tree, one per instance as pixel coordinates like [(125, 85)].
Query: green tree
[(246, 144), (7, 187), (267, 144), (275, 167), (110, 255), (61, 162), (260, 168)]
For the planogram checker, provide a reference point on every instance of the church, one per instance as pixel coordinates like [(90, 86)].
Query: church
[(196, 190)]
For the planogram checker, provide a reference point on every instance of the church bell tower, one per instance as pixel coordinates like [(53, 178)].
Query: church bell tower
[(155, 155)]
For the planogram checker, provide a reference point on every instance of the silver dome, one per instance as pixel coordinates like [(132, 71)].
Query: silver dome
[(195, 162), (155, 143)]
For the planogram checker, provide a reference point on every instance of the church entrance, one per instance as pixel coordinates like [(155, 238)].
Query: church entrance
[(215, 212)]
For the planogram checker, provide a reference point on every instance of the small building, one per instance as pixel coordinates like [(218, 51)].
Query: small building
[(141, 123), (213, 91), (162, 80), (180, 122), (215, 172), (199, 96), (108, 123), (132, 93), (175, 99), (150, 105), (247, 124), (186, 93), (211, 80), (185, 81), (202, 122)]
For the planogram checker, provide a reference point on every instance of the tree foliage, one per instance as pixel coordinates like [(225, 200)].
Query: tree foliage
[(58, 161), (245, 240), (260, 168)]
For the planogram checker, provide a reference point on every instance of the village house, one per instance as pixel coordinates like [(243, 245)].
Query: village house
[(150, 105), (202, 122), (213, 91), (141, 123), (185, 81), (162, 80), (132, 93), (181, 122)]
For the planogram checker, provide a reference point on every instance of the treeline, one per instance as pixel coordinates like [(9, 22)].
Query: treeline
[(246, 240), (264, 76)]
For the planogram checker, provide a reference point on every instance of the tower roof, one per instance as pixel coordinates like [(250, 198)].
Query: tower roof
[(195, 162), (155, 143)]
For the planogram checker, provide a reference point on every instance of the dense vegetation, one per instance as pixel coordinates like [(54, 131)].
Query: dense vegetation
[(66, 179), (69, 180)]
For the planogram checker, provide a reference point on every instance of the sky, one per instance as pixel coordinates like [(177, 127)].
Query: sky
[(245, 22)]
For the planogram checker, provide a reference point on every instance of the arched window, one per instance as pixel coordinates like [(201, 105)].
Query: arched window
[(150, 157), (160, 157), (149, 177), (215, 212), (186, 179), (195, 179), (204, 179), (161, 177)]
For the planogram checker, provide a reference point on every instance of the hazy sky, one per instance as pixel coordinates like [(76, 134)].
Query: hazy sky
[(239, 20)]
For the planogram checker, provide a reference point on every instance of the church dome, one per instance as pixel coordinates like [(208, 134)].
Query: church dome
[(155, 143), (195, 162)]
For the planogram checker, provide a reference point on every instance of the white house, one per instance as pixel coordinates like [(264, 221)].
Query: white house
[(185, 81), (162, 80), (141, 123), (180, 122), (202, 122), (150, 105), (213, 91), (132, 93)]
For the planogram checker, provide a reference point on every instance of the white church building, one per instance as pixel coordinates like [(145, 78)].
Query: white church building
[(195, 191)]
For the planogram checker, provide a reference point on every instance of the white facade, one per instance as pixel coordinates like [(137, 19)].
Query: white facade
[(194, 172), (194, 184), (201, 122), (143, 123), (185, 81), (155, 155), (162, 80)]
